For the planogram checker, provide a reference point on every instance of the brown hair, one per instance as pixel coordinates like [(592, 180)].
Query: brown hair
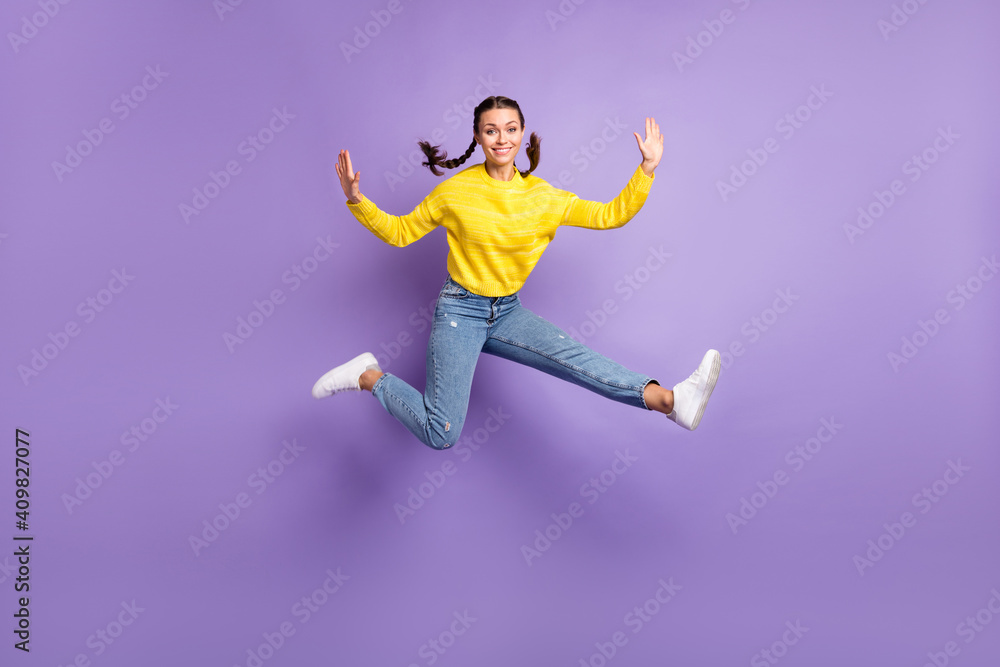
[(436, 158)]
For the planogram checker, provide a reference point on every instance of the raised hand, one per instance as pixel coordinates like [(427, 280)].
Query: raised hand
[(652, 147), (348, 179)]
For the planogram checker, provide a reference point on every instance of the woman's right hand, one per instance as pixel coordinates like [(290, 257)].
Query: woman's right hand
[(348, 179)]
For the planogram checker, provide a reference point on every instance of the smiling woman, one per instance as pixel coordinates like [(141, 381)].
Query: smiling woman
[(500, 220)]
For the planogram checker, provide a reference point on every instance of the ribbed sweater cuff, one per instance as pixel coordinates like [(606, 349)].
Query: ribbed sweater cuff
[(365, 207), (643, 181)]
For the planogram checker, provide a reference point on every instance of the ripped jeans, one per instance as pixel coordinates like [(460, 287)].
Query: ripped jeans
[(466, 324)]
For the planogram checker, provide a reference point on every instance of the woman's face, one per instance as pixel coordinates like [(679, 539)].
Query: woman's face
[(500, 134)]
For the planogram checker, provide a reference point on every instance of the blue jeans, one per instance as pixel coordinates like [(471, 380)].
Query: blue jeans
[(466, 324)]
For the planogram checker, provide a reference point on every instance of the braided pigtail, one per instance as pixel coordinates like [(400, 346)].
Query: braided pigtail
[(451, 164), (436, 157), (534, 153)]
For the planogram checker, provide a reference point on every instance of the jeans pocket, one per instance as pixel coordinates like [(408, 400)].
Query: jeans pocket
[(453, 290)]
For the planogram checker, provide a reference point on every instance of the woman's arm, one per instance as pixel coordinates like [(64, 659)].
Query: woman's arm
[(614, 214), (396, 230), (596, 215)]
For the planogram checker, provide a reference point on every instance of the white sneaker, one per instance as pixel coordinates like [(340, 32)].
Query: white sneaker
[(691, 395), (345, 377)]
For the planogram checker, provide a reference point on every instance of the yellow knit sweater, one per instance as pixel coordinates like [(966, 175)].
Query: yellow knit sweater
[(498, 230)]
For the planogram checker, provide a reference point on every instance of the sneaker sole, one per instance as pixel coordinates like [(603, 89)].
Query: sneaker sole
[(713, 377)]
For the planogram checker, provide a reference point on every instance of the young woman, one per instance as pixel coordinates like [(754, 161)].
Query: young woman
[(499, 221)]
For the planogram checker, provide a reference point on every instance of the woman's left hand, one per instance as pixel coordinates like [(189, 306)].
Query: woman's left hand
[(652, 147)]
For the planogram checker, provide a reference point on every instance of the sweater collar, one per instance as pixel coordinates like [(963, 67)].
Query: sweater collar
[(515, 182)]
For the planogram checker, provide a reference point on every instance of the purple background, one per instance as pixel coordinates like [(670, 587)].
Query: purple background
[(607, 65)]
